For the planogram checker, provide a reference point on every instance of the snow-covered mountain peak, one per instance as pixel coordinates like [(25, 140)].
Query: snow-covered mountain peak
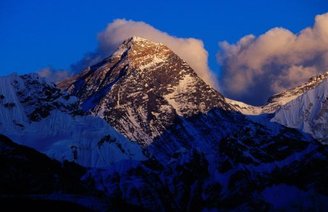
[(137, 38), (142, 53), (280, 99), (309, 111), (304, 107), (277, 100), (145, 84), (135, 44)]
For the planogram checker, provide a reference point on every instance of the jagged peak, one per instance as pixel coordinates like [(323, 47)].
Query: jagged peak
[(136, 40)]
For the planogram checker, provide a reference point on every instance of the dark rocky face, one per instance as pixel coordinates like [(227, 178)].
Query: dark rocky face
[(25, 171)]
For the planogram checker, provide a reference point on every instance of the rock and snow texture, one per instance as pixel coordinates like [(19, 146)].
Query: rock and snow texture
[(278, 100), (142, 88), (234, 172), (308, 112), (35, 113), (244, 108), (304, 107)]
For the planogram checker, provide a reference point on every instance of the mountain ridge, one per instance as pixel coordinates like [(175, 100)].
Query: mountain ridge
[(36, 113), (278, 100), (308, 112)]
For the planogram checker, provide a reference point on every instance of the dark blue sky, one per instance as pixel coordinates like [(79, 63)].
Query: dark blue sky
[(36, 33)]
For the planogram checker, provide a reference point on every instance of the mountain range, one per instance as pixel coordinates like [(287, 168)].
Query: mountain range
[(150, 134)]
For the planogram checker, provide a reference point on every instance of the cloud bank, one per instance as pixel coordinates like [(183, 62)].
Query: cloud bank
[(256, 67), (189, 49)]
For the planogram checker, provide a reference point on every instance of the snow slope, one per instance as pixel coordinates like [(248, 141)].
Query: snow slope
[(280, 99), (308, 112), (244, 108), (35, 113)]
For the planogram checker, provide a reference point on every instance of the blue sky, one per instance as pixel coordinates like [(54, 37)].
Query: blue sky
[(36, 33)]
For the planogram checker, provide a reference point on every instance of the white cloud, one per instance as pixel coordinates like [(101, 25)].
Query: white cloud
[(190, 49), (256, 67), (54, 75)]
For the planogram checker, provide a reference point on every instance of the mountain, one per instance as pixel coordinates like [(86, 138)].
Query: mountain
[(35, 113), (202, 153), (280, 99), (142, 89), (309, 111), (303, 107)]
